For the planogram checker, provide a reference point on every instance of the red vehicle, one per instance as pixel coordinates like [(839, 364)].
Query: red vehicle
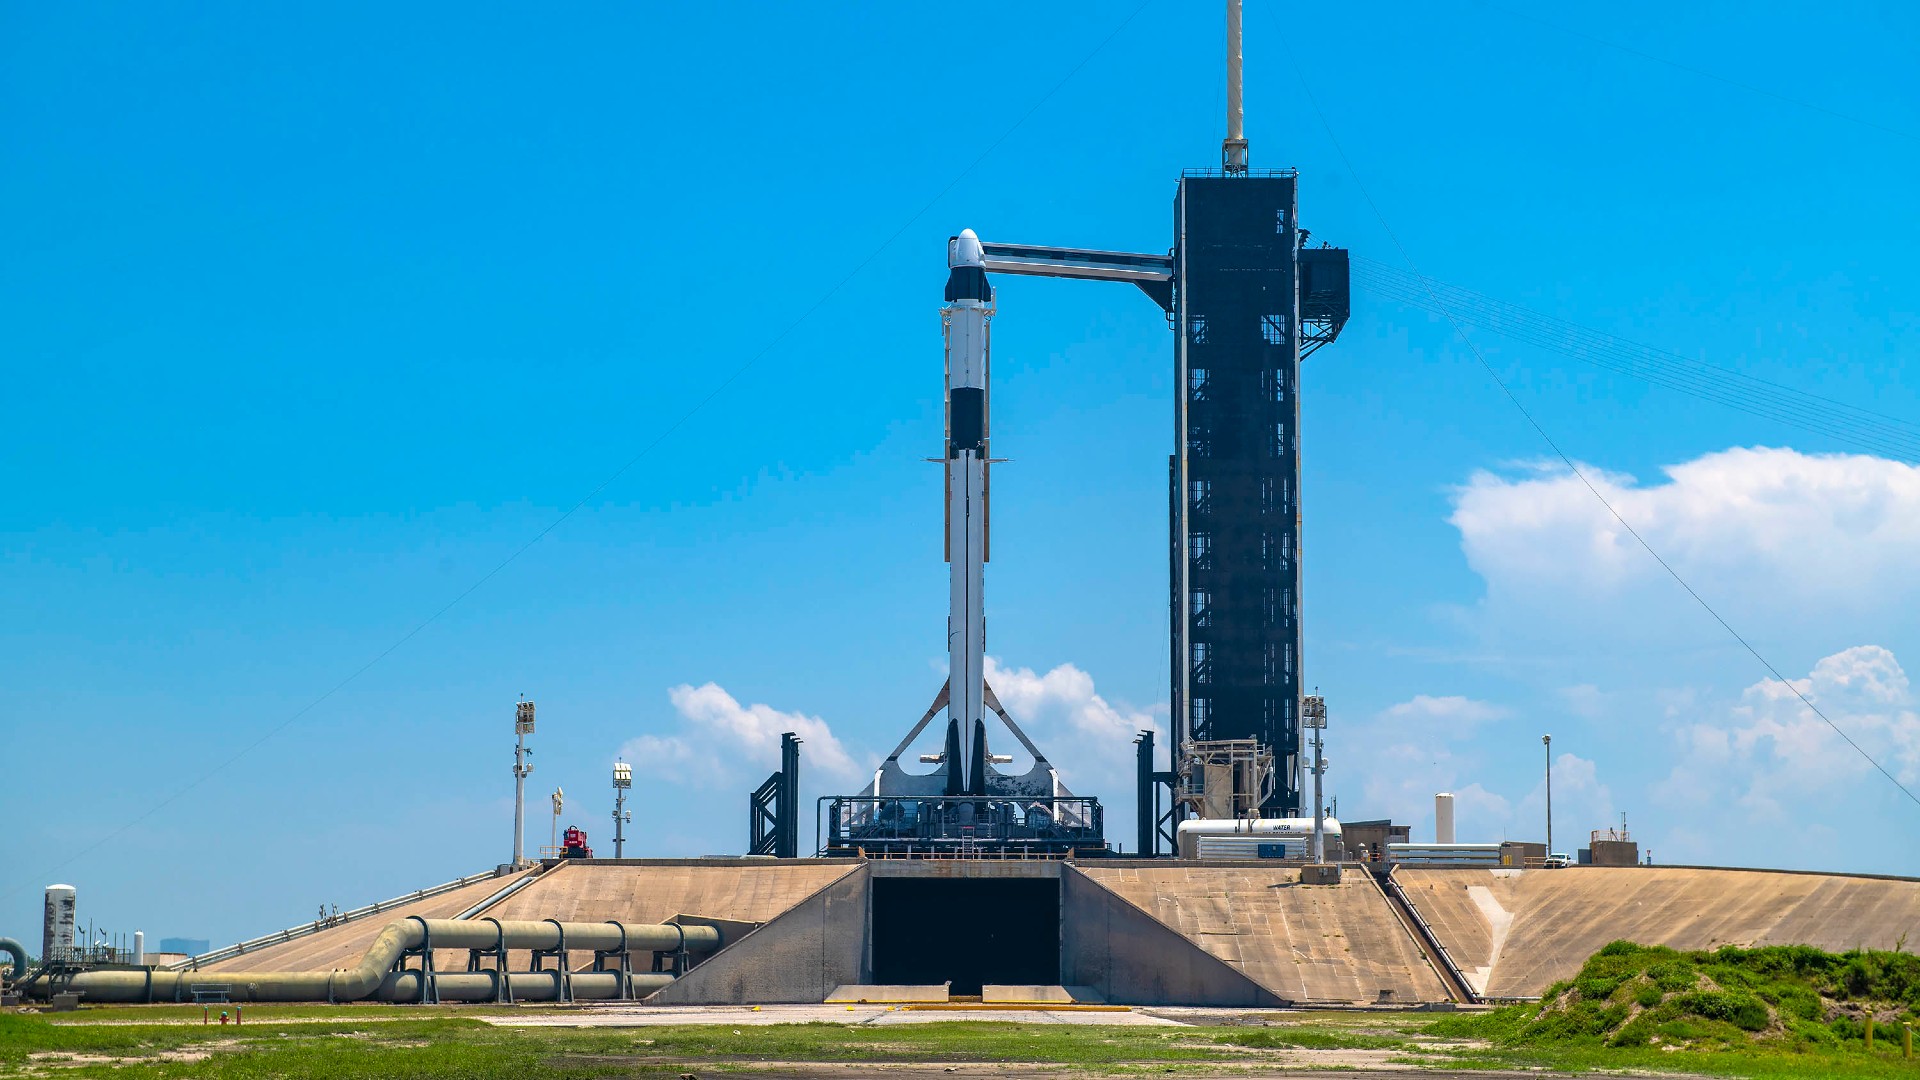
[(574, 844)]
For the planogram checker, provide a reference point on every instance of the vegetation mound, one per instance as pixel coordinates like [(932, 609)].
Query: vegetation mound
[(1631, 995)]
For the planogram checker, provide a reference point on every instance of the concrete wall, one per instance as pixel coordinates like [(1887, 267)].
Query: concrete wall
[(798, 957), (1131, 958)]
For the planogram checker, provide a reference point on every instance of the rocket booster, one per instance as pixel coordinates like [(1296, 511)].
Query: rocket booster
[(969, 308)]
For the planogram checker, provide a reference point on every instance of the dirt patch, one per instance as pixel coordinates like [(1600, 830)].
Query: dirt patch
[(64, 1060)]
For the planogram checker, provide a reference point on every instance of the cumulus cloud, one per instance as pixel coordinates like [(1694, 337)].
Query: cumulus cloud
[(1771, 526), (719, 737), (1453, 712), (1088, 738), (1770, 756)]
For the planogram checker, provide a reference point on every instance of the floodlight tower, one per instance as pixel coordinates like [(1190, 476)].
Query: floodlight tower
[(522, 727), (1313, 716), (553, 835), (622, 780)]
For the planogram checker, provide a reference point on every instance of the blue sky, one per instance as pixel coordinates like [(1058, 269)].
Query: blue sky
[(312, 319)]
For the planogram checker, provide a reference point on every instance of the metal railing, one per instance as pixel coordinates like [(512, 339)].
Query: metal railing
[(959, 826), (294, 933)]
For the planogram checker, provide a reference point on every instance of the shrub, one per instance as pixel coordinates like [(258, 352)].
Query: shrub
[(1735, 1007), (1636, 1032)]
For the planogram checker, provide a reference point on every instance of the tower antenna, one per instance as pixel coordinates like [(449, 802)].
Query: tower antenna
[(1233, 151)]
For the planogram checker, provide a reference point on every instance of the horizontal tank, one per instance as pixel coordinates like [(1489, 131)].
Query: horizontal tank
[(1221, 835), (1445, 854)]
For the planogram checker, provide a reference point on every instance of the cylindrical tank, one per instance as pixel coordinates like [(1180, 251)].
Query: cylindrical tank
[(1443, 818), (56, 932), (1187, 836), (139, 948)]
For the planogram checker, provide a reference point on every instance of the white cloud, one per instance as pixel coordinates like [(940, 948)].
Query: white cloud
[(1585, 700), (1088, 738), (1457, 714), (1769, 757), (720, 738), (1772, 527)]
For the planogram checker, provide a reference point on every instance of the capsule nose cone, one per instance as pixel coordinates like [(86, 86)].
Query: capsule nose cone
[(964, 250)]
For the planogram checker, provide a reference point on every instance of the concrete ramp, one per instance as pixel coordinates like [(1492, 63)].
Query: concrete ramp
[(728, 893), (342, 946), (814, 948), (1514, 933), (666, 890), (1300, 943), (655, 890)]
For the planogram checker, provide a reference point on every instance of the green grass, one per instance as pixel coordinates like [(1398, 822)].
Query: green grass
[(415, 1042), (453, 1047)]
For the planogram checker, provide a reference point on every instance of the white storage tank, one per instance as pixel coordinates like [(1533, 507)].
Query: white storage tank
[(56, 932), (1443, 818), (1252, 838)]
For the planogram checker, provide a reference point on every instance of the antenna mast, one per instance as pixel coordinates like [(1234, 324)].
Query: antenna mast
[(1233, 151)]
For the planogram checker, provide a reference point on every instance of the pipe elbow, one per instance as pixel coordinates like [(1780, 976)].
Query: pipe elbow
[(19, 953)]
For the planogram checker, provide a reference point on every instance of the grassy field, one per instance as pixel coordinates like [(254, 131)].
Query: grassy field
[(403, 1042)]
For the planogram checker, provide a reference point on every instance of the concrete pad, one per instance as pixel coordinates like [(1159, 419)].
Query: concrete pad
[(764, 1015), (860, 994), (1040, 995), (670, 1015), (1111, 1016), (1514, 933)]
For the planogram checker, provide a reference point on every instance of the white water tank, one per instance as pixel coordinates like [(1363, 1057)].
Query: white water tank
[(56, 932), (139, 949), (1443, 818), (1243, 837)]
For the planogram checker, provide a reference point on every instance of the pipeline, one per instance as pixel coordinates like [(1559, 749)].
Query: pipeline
[(376, 977), (19, 953)]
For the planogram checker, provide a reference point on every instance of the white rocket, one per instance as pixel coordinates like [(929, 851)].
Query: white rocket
[(966, 316)]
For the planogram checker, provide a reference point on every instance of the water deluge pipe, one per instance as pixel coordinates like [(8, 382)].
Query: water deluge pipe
[(374, 976)]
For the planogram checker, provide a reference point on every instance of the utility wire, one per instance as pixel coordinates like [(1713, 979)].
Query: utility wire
[(1748, 87), (594, 493), (1864, 428), (1460, 331)]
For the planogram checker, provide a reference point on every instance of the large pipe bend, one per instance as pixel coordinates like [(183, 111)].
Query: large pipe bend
[(19, 953)]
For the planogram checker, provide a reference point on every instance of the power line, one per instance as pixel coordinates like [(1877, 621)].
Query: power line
[(658, 439), (1460, 331), (1863, 428), (1703, 73)]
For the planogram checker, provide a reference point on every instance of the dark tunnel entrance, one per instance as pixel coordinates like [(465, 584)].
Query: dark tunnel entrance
[(966, 931)]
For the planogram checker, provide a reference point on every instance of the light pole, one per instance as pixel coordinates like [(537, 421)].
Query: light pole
[(622, 780), (522, 727), (554, 835), (1547, 741)]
